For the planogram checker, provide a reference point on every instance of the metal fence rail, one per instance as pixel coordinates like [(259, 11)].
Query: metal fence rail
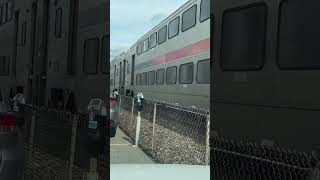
[(169, 133), (245, 160), (55, 145)]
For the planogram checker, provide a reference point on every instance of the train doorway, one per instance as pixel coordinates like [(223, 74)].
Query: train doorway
[(123, 81), (32, 87)]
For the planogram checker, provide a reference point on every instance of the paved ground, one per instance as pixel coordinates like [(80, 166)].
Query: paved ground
[(12, 157), (123, 152)]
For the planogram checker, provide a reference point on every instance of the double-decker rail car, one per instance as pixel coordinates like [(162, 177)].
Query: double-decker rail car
[(267, 72), (172, 61), (56, 52)]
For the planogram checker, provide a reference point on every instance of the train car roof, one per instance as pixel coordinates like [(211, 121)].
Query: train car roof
[(171, 16), (165, 21)]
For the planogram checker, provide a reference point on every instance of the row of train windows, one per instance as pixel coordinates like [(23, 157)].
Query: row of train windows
[(297, 37), (169, 75), (57, 32), (189, 18), (6, 10), (91, 55), (4, 65)]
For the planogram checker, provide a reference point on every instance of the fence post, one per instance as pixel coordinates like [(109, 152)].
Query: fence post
[(32, 129), (153, 126), (207, 160), (138, 129), (119, 104), (132, 109), (73, 143)]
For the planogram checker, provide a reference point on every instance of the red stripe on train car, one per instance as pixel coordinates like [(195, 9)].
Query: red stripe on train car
[(191, 50)]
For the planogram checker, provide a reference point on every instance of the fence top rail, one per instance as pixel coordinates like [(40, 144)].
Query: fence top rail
[(191, 109)]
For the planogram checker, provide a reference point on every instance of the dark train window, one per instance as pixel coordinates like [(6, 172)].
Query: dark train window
[(144, 78), (171, 76), (10, 10), (186, 73), (153, 40), (243, 38), (138, 79), (91, 55), (162, 33), (4, 65), (174, 27), (189, 18), (23, 33), (160, 76), (3, 13), (146, 45), (151, 76), (5, 18), (139, 48), (128, 68), (299, 35), (58, 25), (203, 72), (105, 49), (204, 10)]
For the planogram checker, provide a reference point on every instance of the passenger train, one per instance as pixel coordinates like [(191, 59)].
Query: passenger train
[(56, 52), (267, 72), (172, 61)]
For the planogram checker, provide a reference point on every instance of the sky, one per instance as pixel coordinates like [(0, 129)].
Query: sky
[(131, 19)]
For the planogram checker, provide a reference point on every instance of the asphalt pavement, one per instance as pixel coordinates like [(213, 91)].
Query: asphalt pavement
[(11, 149), (122, 151)]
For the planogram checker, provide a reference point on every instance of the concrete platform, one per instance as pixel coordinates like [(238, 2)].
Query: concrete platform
[(123, 152)]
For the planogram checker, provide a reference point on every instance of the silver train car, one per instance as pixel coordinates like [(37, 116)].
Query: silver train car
[(53, 51), (171, 62)]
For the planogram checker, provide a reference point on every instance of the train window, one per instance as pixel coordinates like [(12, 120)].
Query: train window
[(162, 33), (10, 10), (151, 76), (4, 65), (153, 40), (138, 79), (299, 35), (171, 76), (186, 73), (243, 38), (23, 33), (144, 78), (105, 49), (4, 13), (204, 10), (174, 27), (146, 45), (160, 76), (189, 18), (139, 48), (91, 55), (203, 72), (58, 24), (128, 68)]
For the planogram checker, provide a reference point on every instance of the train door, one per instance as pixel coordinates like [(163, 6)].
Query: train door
[(43, 59), (114, 75), (123, 77), (15, 39), (31, 78), (132, 70), (120, 75)]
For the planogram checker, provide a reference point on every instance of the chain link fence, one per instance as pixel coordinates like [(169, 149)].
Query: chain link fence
[(169, 133), (244, 160), (56, 145)]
